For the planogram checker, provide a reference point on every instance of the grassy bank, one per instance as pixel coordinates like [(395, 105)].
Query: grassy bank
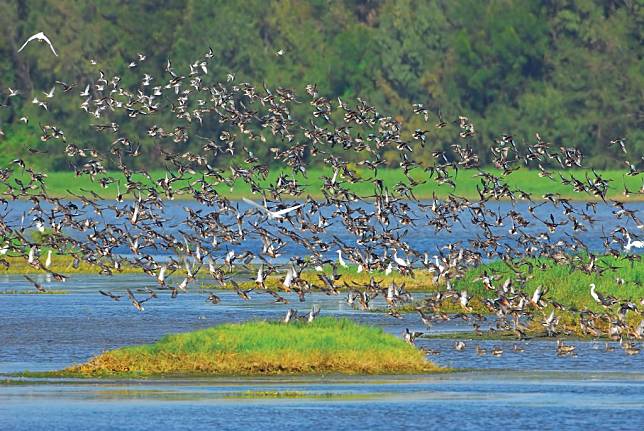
[(263, 348), (566, 285), (63, 264), (59, 184)]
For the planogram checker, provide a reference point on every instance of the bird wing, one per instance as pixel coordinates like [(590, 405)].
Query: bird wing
[(35, 36), (46, 39), (286, 210), (24, 44), (255, 204), (131, 296)]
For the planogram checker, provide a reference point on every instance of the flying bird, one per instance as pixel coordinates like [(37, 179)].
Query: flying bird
[(41, 38), (273, 215)]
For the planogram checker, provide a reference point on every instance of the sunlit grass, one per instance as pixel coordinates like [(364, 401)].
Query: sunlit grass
[(566, 285), (63, 264), (254, 348), (59, 184)]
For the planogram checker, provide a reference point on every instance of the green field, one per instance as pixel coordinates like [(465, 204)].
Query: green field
[(257, 348), (59, 184)]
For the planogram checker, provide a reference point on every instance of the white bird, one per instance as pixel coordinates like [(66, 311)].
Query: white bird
[(315, 311), (273, 215), (184, 284), (32, 255), (288, 280), (161, 276), (341, 261), (389, 269), (40, 226), (260, 276), (291, 314), (41, 38), (464, 299), (593, 293), (50, 94), (48, 260), (399, 261), (630, 244), (441, 267)]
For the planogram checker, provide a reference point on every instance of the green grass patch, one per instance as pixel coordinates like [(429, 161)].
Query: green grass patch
[(59, 184), (566, 284), (63, 264), (261, 348), (32, 292)]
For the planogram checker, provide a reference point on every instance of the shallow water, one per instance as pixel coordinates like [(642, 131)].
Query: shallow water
[(474, 400), (533, 389)]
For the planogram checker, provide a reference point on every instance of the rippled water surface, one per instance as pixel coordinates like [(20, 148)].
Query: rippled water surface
[(533, 389)]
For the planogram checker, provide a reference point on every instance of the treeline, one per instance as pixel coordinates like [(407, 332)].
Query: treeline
[(569, 69)]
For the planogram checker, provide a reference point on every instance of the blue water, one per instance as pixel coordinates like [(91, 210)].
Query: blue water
[(476, 401), (531, 390), (534, 389)]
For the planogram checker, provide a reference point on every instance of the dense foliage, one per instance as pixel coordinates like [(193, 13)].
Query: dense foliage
[(569, 69)]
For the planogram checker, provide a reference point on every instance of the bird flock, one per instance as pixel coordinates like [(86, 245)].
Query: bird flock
[(184, 104)]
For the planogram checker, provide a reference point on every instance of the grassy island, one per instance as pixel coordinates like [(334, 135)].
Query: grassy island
[(264, 348)]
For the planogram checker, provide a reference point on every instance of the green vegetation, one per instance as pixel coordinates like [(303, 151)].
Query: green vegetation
[(32, 292), (63, 264), (298, 394), (567, 285), (60, 184), (257, 348), (570, 70)]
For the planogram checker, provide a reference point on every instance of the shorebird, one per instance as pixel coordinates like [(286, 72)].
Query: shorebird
[(563, 349), (110, 295), (315, 312), (48, 259), (632, 244), (605, 301), (39, 287), (410, 336), (137, 304), (291, 314)]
